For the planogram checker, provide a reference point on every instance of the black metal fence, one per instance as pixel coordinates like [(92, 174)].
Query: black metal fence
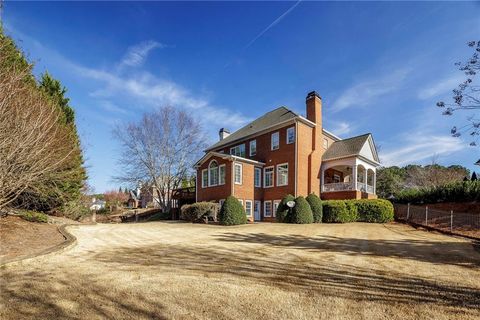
[(461, 223)]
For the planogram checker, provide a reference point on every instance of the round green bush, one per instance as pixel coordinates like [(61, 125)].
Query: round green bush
[(283, 210), (232, 212), (316, 206), (352, 210), (301, 213), (335, 211), (374, 210)]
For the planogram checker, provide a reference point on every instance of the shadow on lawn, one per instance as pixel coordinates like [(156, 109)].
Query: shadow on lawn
[(64, 294), (295, 274), (436, 252)]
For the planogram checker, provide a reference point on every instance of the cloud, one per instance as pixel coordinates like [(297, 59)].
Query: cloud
[(441, 87), (341, 128), (420, 147), (137, 54), (368, 91)]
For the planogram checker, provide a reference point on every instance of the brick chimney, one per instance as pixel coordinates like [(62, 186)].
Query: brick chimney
[(314, 114), (223, 133)]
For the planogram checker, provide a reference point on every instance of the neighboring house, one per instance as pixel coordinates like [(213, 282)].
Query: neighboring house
[(97, 204), (284, 153), (133, 199)]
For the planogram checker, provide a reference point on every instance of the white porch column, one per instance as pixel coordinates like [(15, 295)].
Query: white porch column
[(354, 176), (365, 177), (375, 181), (322, 181)]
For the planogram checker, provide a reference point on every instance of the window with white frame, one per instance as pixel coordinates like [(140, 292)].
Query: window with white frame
[(290, 135), (258, 177), (282, 174), (238, 173), (267, 210), (325, 143), (275, 207), (275, 140), (241, 202), (204, 178), (248, 207), (238, 151), (253, 148), (213, 173), (268, 177), (221, 174)]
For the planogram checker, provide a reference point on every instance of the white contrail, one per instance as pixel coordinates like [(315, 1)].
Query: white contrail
[(272, 24)]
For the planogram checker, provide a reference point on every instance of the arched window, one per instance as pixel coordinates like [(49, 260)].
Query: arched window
[(213, 173)]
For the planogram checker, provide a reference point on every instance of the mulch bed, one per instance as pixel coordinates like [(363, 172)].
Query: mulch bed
[(20, 238)]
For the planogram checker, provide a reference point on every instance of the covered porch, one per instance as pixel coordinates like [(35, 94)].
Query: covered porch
[(349, 178)]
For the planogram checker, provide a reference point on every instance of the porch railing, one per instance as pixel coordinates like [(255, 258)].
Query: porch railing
[(346, 186)]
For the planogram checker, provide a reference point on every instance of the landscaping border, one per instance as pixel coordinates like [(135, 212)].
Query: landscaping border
[(70, 241)]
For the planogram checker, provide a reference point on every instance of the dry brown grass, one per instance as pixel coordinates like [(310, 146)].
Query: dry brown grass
[(262, 271)]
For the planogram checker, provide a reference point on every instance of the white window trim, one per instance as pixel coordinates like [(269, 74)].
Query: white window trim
[(203, 182), (274, 210), (251, 208), (225, 174), (265, 175), (271, 140), (241, 201), (278, 180), (235, 174), (250, 148), (265, 209), (255, 170), (290, 129), (238, 145), (218, 174)]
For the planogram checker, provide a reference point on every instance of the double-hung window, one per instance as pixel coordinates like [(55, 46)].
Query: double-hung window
[(221, 174), (258, 177), (204, 178), (267, 210), (275, 140), (238, 173), (248, 207), (238, 151), (253, 148), (268, 177), (290, 135), (282, 174)]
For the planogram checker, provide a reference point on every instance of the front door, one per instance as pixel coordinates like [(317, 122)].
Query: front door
[(256, 210)]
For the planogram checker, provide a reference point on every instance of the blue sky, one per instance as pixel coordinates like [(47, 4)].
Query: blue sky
[(379, 67)]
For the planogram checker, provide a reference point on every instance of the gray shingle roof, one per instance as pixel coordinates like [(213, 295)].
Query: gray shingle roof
[(346, 147), (267, 120)]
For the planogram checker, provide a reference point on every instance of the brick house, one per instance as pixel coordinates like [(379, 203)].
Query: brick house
[(284, 153)]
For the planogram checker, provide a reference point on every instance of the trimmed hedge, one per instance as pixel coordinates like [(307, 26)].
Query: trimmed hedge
[(337, 211), (199, 211), (378, 210), (283, 210), (352, 210), (301, 213), (316, 205), (232, 212)]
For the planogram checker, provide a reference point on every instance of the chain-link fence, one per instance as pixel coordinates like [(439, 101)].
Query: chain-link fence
[(461, 223)]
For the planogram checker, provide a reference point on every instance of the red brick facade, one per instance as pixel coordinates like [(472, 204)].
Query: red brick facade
[(303, 156)]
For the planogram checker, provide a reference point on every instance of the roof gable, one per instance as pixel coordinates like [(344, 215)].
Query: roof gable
[(269, 119), (356, 146)]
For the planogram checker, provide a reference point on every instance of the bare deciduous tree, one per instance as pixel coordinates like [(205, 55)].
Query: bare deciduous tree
[(159, 151), (32, 144)]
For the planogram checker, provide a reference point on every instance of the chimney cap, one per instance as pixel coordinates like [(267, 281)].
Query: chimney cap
[(312, 94)]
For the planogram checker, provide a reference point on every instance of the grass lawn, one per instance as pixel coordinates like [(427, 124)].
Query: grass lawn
[(264, 271)]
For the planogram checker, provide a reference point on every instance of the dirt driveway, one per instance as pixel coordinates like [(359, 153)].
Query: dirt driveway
[(262, 271)]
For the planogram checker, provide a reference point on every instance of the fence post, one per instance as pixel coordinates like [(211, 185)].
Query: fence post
[(426, 215), (408, 210), (451, 220)]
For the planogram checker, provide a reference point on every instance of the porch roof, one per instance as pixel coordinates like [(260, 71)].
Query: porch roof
[(351, 147)]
